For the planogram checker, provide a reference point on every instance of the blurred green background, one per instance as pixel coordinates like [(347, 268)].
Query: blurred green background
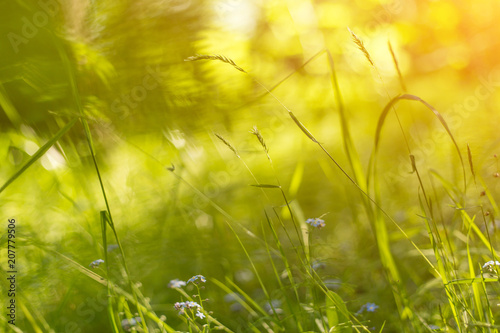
[(123, 64)]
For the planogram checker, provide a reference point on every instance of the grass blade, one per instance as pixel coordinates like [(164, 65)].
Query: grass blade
[(40, 152), (266, 185), (475, 288), (111, 313)]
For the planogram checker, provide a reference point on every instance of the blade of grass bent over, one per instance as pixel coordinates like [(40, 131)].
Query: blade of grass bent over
[(409, 97)]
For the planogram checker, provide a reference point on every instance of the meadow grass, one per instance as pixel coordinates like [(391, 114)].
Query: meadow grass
[(449, 289)]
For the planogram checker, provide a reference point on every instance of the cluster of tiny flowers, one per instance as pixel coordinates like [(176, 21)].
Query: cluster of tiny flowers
[(186, 305), (368, 307), (96, 263), (176, 283), (195, 279), (317, 223), (180, 306), (489, 265)]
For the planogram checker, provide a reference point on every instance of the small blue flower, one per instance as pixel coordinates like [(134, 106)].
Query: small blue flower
[(371, 307), (434, 327), (191, 305), (176, 283), (195, 279), (316, 222), (96, 263), (200, 314), (368, 307)]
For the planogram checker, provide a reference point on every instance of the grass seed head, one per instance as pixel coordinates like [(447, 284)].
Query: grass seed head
[(255, 131), (215, 57), (361, 46), (220, 137)]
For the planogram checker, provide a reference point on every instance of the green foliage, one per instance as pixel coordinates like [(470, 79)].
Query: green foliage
[(119, 178)]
